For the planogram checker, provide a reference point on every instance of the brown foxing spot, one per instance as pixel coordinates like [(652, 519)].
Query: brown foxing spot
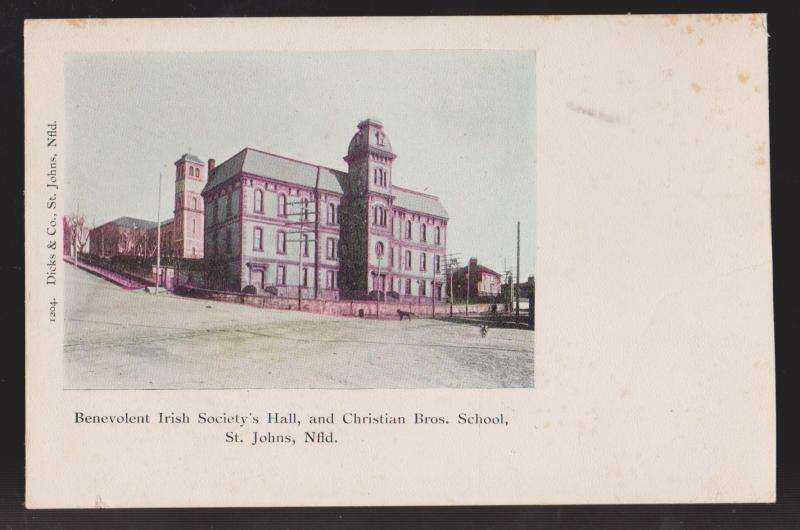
[(744, 77), (79, 23), (697, 88)]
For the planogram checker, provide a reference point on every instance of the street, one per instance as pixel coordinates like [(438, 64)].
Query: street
[(119, 339)]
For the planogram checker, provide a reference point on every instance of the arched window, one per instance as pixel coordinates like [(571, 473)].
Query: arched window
[(331, 214), (191, 171), (423, 232), (437, 236), (281, 242), (379, 249), (282, 205), (375, 176), (258, 238), (258, 202), (408, 229), (408, 260), (422, 262)]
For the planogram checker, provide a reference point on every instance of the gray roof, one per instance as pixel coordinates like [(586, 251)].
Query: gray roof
[(267, 165), (284, 169), (133, 222), (418, 202), (191, 158)]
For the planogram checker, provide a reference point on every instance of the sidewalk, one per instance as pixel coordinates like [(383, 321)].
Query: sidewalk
[(112, 277)]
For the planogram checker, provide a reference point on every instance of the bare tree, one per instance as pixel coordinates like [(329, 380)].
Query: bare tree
[(79, 233)]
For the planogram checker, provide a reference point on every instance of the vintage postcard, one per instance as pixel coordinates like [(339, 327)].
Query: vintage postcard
[(517, 260)]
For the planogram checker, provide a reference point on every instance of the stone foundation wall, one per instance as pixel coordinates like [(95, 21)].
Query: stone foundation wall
[(333, 307)]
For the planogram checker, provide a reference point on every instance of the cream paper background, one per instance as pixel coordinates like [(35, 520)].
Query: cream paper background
[(654, 342)]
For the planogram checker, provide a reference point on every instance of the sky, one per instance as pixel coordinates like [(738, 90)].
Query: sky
[(461, 122)]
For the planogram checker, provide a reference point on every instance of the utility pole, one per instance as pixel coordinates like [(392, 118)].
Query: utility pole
[(469, 273), (517, 286), (379, 285), (450, 274), (303, 243), (433, 288), (158, 236)]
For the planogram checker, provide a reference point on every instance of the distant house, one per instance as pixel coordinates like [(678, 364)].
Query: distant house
[(477, 279)]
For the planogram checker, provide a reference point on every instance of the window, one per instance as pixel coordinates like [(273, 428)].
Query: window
[(375, 176), (305, 277), (228, 205), (282, 205), (305, 245), (422, 261), (422, 285), (391, 256), (408, 259), (408, 286), (379, 215), (437, 263), (379, 249), (437, 236), (281, 240), (408, 229), (305, 209), (191, 171), (194, 226), (194, 203), (423, 232), (330, 280), (331, 214), (228, 241), (280, 275), (378, 138), (258, 202), (331, 248), (258, 239)]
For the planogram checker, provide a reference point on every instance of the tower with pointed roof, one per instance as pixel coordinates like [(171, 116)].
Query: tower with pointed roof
[(190, 178)]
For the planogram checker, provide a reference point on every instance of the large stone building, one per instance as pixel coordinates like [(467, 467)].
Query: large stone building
[(274, 224)]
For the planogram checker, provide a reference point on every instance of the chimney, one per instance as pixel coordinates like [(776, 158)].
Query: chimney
[(211, 165), (473, 262)]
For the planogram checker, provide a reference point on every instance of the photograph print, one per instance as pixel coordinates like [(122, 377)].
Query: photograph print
[(321, 220)]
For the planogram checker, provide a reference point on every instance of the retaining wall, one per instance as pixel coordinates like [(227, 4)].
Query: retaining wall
[(387, 309)]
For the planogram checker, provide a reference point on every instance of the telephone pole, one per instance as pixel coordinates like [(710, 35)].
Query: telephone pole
[(516, 289), (158, 236), (303, 241)]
